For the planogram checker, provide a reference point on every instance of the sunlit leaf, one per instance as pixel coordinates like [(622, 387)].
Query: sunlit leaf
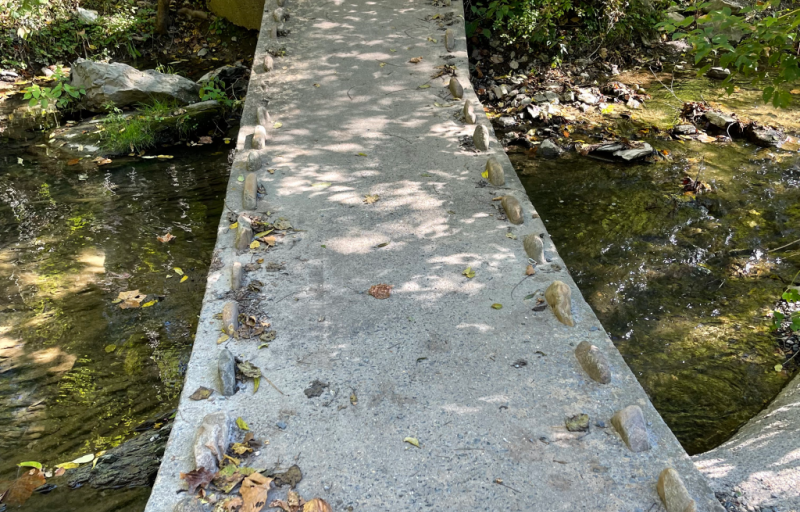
[(178, 270), (412, 441), (242, 424)]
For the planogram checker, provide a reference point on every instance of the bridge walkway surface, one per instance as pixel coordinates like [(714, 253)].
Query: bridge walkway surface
[(370, 161)]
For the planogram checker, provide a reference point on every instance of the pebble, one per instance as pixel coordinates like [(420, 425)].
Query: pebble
[(480, 137), (230, 317), (250, 192), (449, 40), (549, 149), (513, 209), (673, 493), (469, 113), (236, 275), (496, 175), (212, 440), (244, 235), (593, 362), (455, 88), (559, 297), (281, 425), (259, 137), (203, 52), (513, 64), (630, 425), (277, 15), (253, 161), (534, 248)]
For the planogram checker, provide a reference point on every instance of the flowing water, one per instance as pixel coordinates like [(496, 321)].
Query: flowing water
[(682, 284), (77, 372)]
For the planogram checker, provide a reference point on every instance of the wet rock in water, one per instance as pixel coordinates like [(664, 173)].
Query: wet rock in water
[(684, 129), (635, 153), (495, 173), (631, 427), (513, 209), (264, 119), (87, 16), (578, 423), (228, 73), (237, 272), (719, 120), (593, 362), (230, 317), (189, 505), (253, 161), (764, 136), (269, 63), (259, 137), (480, 137), (123, 85), (549, 149), (226, 367), (469, 113), (250, 192), (559, 297), (134, 463), (673, 493), (449, 40), (534, 248), (244, 235), (212, 441), (455, 88), (718, 73)]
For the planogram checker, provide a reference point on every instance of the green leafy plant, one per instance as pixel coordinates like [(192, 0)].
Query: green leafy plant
[(766, 51), (790, 295), (60, 96), (214, 89)]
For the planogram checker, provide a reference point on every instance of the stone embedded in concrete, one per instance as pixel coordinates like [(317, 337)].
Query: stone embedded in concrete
[(593, 362), (273, 32), (469, 113), (245, 13), (244, 234), (259, 137), (277, 14), (534, 248), (631, 427), (494, 170), (480, 138), (264, 119), (673, 493), (230, 317), (269, 63), (253, 161), (559, 297), (212, 441), (226, 369), (455, 88), (237, 272), (449, 40), (189, 505), (250, 192), (513, 209)]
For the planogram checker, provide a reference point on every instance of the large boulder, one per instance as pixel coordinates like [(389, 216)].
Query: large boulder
[(245, 13), (123, 85)]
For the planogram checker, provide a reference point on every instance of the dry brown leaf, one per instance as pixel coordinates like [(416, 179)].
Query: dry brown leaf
[(168, 237), (292, 504), (317, 505), (232, 504), (195, 478), (270, 240), (371, 198), (74, 161), (254, 492), (416, 60), (381, 291), (130, 299), (22, 488), (205, 140)]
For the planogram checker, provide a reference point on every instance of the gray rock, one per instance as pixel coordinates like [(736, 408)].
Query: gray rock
[(534, 248), (228, 74), (449, 40), (277, 15), (87, 16), (244, 235), (253, 161), (631, 427), (673, 493), (237, 272), (719, 120), (513, 209), (123, 85), (230, 317), (568, 97), (764, 136), (718, 5), (506, 121), (203, 52), (259, 137), (455, 88), (559, 297), (586, 96), (684, 129), (551, 96), (212, 441), (549, 149), (250, 192), (513, 64), (540, 98), (269, 63), (226, 368), (633, 104), (469, 113), (674, 17), (189, 505), (593, 362), (264, 119), (635, 153), (718, 73), (480, 137), (496, 175)]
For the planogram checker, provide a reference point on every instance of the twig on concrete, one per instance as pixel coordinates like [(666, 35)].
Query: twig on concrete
[(500, 482), (519, 283), (273, 385)]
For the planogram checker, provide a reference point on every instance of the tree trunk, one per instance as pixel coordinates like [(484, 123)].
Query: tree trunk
[(162, 18)]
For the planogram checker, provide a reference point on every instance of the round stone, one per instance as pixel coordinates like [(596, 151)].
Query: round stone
[(277, 15), (513, 209), (250, 192), (494, 170), (631, 427), (259, 137), (559, 297), (455, 88), (449, 40), (253, 161), (264, 119), (534, 248), (480, 138), (469, 113), (269, 63)]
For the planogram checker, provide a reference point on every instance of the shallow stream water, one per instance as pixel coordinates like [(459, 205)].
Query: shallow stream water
[(682, 284), (77, 372)]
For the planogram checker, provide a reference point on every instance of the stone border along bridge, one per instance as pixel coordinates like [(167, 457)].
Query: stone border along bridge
[(367, 170)]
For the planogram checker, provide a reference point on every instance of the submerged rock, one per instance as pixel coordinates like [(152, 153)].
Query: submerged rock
[(549, 149), (123, 85)]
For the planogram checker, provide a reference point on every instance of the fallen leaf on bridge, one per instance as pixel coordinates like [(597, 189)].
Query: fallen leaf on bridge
[(199, 477), (254, 492), (381, 291), (412, 441), (371, 198)]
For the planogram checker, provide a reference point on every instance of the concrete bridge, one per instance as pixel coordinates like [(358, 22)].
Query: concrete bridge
[(358, 165)]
